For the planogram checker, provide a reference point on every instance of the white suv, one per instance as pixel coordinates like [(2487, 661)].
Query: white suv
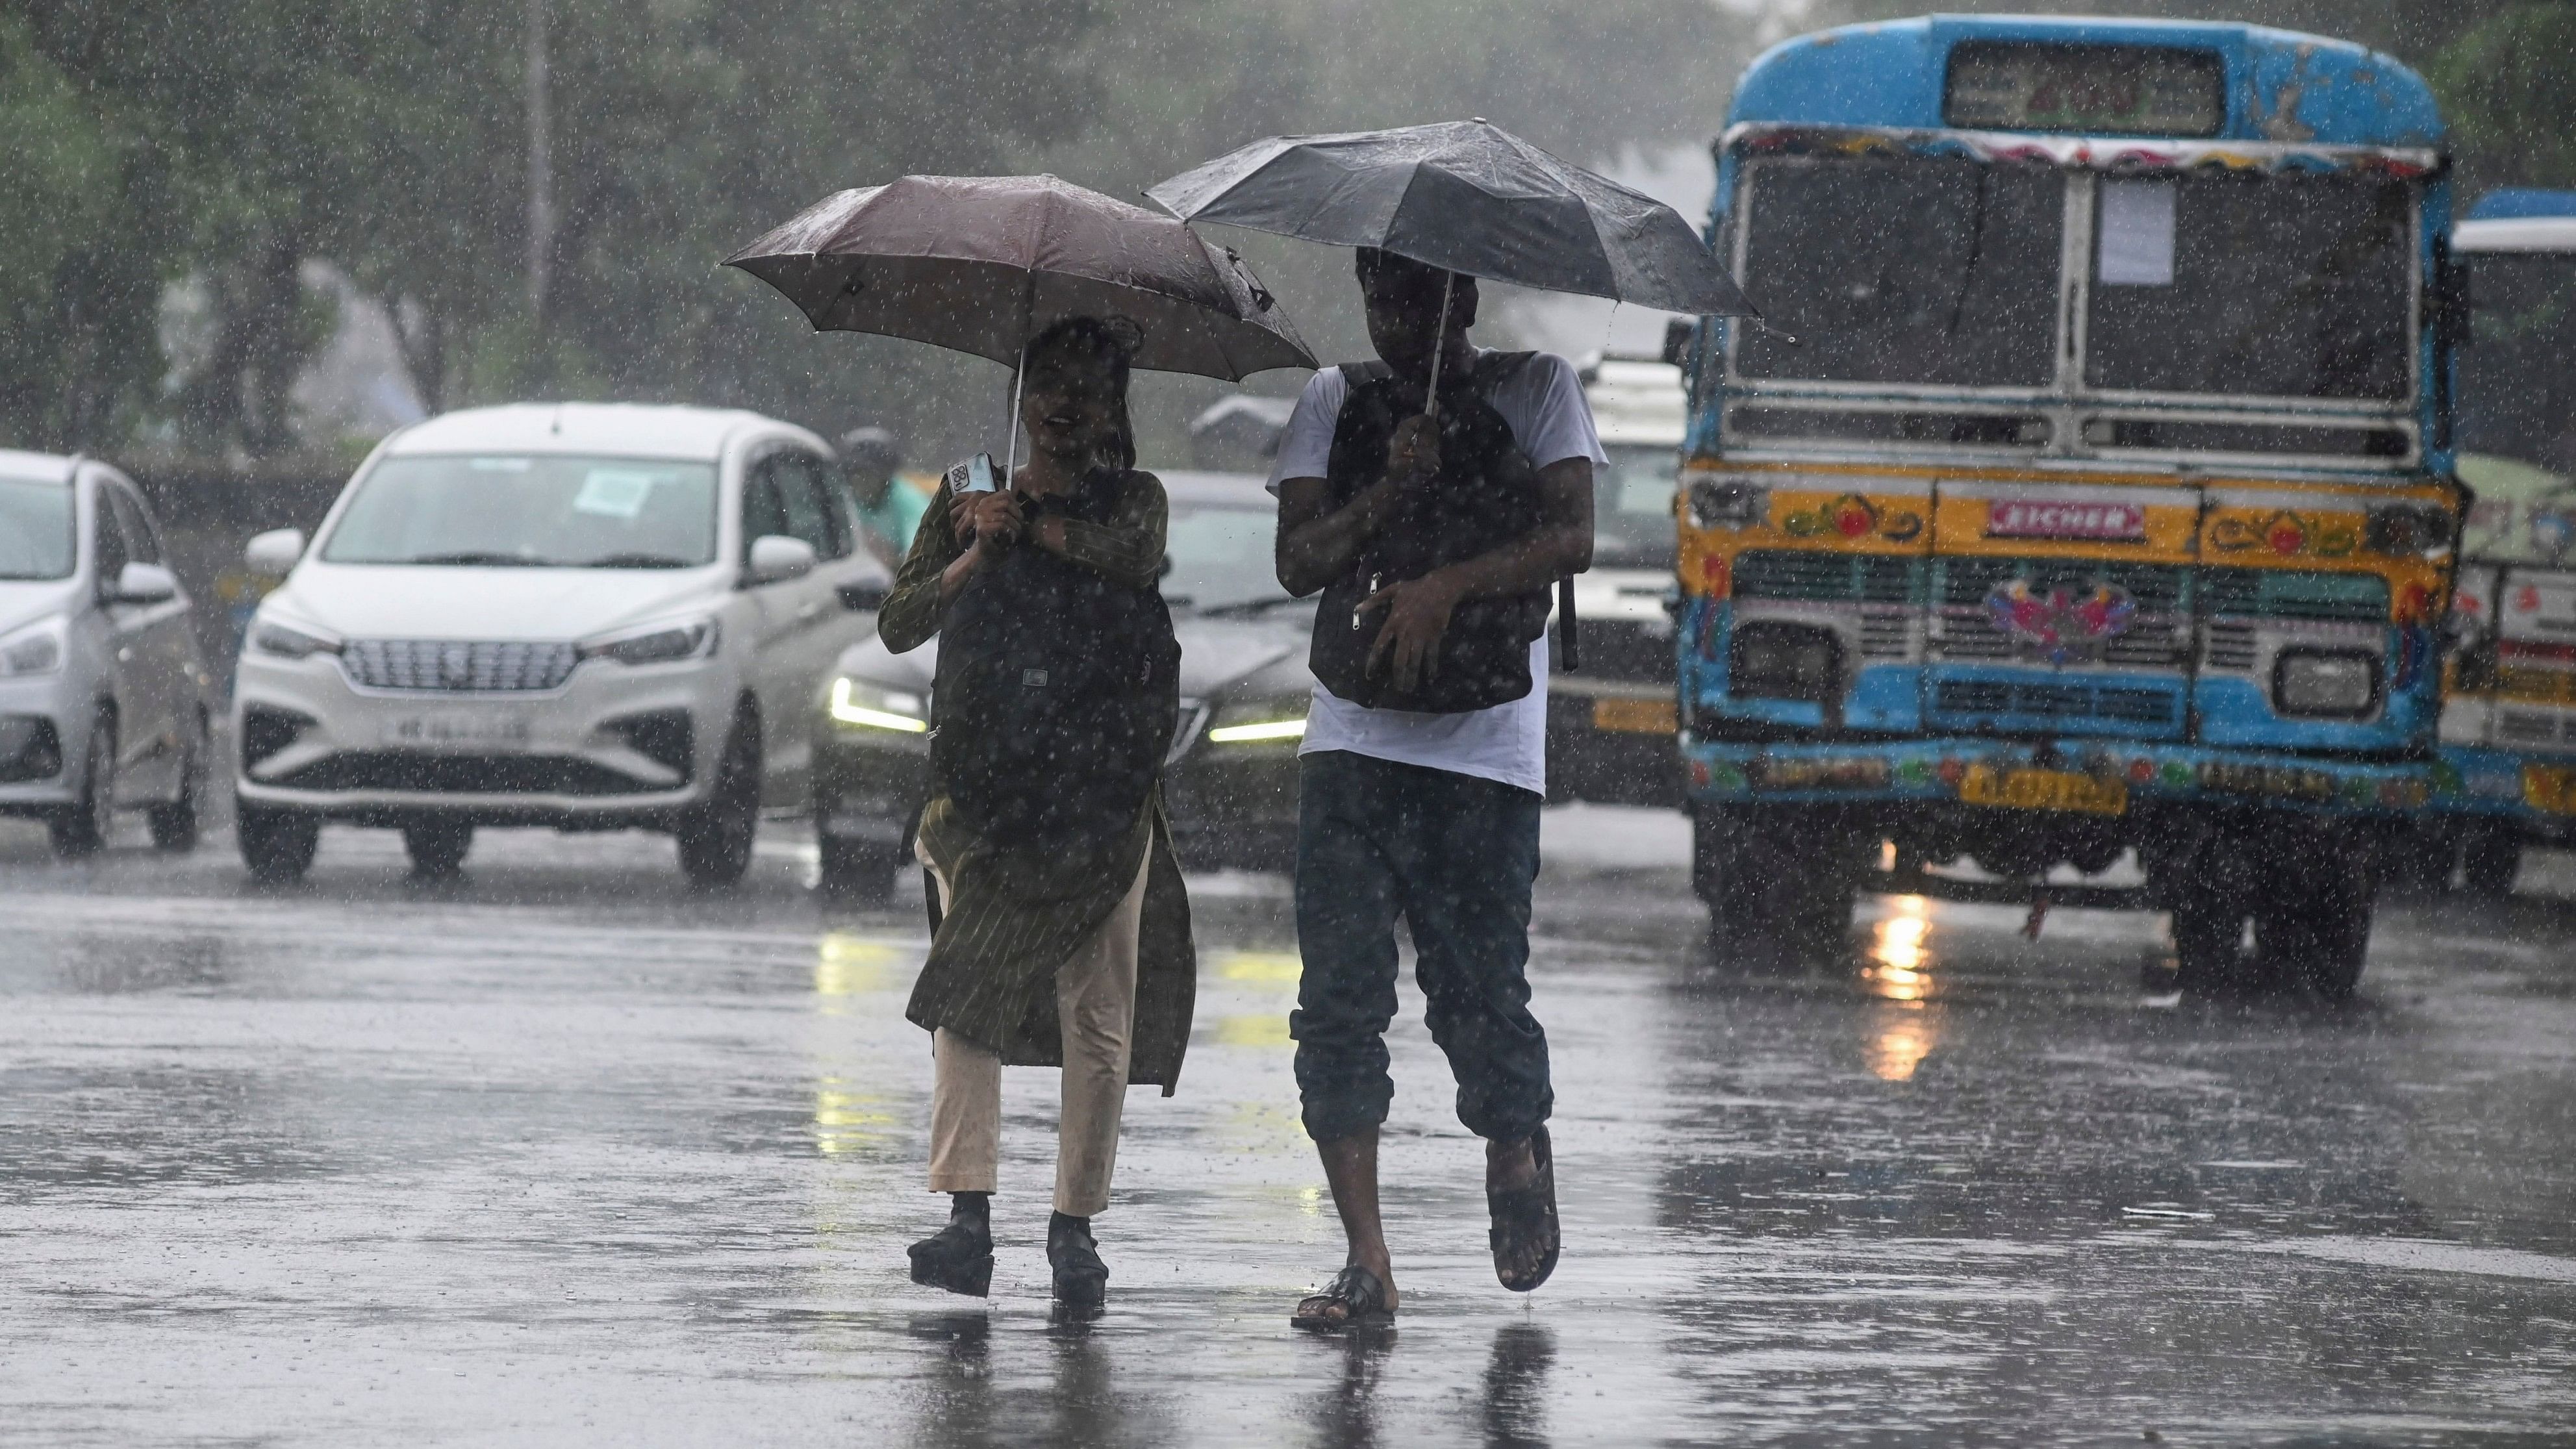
[(102, 693), (589, 616)]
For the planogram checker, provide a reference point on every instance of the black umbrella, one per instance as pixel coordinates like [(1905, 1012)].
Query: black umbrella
[(1465, 196)]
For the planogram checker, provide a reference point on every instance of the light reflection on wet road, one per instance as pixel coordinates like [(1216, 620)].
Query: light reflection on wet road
[(561, 1154)]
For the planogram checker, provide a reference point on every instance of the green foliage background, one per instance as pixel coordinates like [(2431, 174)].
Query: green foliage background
[(227, 143)]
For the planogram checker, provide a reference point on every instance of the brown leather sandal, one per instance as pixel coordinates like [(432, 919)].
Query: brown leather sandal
[(1357, 1293), (1523, 1215)]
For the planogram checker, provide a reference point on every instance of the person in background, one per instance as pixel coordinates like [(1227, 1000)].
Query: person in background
[(890, 509), (1424, 763)]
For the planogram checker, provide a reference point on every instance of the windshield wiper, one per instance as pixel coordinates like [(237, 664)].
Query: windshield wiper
[(470, 559), (638, 561)]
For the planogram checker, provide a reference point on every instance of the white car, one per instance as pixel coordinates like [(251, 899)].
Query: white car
[(102, 692), (585, 616)]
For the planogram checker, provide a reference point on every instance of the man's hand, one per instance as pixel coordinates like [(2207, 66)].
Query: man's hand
[(1417, 614), (1413, 451), (989, 518)]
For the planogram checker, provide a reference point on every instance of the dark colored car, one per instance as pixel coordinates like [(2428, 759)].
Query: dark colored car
[(1230, 782)]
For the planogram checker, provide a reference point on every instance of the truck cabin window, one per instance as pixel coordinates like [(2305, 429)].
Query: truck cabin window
[(2518, 373), (1926, 271), (2254, 286)]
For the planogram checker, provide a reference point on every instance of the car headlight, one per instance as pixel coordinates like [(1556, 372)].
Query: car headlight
[(2316, 682), (861, 705), (660, 645), (285, 643), (1256, 721), (36, 649)]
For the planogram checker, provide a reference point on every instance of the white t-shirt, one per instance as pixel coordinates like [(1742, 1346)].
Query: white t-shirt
[(1543, 403)]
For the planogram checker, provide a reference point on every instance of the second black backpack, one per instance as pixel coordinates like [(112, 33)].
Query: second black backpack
[(1056, 696)]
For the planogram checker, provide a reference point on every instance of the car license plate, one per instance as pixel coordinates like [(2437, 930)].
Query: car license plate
[(458, 730), (2043, 790), (1636, 716)]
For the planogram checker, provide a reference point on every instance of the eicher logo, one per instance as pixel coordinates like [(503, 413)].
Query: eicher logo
[(2018, 518), (2061, 625)]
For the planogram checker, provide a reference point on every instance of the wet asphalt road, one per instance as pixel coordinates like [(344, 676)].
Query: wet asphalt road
[(560, 1153)]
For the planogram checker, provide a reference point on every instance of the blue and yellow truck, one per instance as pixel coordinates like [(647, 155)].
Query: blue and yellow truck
[(2085, 488)]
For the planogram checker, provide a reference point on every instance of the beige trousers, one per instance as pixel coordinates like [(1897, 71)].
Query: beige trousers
[(1095, 998)]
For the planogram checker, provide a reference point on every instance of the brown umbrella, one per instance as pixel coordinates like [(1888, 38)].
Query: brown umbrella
[(981, 264)]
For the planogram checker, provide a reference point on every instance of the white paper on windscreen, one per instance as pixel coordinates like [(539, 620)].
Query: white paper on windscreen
[(2137, 233), (613, 493)]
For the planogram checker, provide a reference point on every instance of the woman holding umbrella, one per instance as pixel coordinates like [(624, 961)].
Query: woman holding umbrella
[(1061, 933)]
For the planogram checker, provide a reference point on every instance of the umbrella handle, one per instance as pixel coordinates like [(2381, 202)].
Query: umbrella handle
[(1431, 394)]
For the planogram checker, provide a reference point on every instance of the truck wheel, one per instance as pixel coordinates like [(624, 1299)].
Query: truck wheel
[(715, 837), (277, 845), (1778, 875), (858, 871), (2204, 885), (2490, 857), (437, 847), (2313, 927), (82, 828), (174, 826)]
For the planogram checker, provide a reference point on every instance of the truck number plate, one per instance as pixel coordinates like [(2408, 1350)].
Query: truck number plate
[(458, 730), (2043, 790), (2550, 787), (1636, 716)]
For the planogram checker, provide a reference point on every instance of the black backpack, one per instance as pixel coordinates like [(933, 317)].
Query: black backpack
[(1485, 496), (1057, 692)]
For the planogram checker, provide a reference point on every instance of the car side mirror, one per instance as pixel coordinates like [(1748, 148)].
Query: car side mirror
[(776, 558), (145, 583), (274, 554)]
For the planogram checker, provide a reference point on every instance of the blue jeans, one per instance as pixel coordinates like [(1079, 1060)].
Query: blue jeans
[(1454, 856)]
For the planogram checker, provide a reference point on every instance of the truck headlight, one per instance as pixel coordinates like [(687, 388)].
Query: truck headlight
[(662, 644), (858, 704), (1767, 660), (1255, 721), (281, 642), (1723, 502), (2323, 684), (36, 649)]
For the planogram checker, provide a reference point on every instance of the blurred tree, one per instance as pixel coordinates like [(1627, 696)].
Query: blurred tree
[(79, 278), (2506, 87)]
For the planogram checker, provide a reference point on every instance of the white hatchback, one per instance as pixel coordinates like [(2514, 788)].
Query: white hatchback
[(585, 616), (102, 693)]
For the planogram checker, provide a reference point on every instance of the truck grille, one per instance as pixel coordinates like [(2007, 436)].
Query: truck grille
[(2058, 700), (2529, 727), (1865, 578), (2229, 647), (1964, 583), (458, 666), (2294, 594)]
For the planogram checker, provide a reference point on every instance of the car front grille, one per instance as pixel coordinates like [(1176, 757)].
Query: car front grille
[(426, 774), (458, 666)]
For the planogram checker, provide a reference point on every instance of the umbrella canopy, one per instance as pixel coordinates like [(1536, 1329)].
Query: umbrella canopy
[(1466, 196), (982, 264)]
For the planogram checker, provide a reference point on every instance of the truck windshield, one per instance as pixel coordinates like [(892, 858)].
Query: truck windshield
[(2265, 286), (1925, 270), (35, 530), (2518, 373), (1632, 510), (530, 511)]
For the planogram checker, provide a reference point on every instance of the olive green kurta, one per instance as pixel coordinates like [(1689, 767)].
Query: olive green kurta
[(1016, 915)]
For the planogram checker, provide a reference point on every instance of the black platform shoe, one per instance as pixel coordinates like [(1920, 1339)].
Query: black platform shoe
[(1081, 1279), (959, 1257)]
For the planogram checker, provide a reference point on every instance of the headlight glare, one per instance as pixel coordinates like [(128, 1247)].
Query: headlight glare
[(1258, 721), (656, 646), (36, 649), (2319, 684), (284, 643), (862, 705)]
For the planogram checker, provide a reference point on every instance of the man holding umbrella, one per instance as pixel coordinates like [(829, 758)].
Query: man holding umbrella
[(1433, 496)]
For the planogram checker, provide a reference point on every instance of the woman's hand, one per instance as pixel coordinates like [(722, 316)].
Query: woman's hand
[(1417, 614), (992, 519)]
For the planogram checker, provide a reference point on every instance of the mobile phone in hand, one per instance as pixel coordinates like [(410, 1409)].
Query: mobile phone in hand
[(979, 474)]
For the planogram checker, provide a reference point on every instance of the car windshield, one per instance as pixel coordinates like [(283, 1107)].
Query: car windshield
[(2251, 285), (35, 530), (1632, 510), (530, 511), (2518, 373), (1927, 271), (1220, 558)]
